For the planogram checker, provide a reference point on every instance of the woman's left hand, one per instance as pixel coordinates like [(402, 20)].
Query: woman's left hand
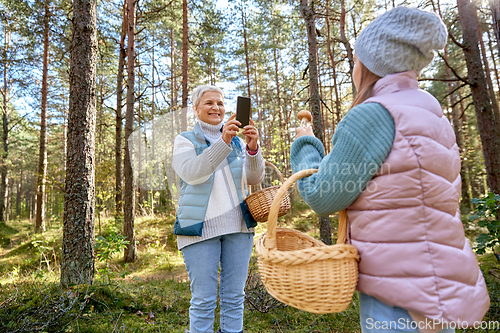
[(251, 135)]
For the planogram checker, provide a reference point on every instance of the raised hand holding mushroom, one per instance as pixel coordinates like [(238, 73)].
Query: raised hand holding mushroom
[(304, 129), (305, 117)]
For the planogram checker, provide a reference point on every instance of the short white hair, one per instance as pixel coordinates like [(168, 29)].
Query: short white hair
[(200, 90)]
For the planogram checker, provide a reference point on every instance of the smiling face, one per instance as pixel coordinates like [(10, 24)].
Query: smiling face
[(211, 108)]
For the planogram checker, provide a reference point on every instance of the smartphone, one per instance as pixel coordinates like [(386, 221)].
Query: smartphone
[(243, 110)]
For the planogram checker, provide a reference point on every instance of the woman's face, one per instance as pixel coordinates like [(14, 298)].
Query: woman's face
[(356, 72), (211, 108)]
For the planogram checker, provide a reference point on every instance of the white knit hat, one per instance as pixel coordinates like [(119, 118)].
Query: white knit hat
[(400, 40)]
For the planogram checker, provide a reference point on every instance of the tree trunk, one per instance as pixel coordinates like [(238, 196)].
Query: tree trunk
[(5, 127), (184, 65), (487, 120), (466, 161), (314, 98), (347, 45), (18, 194), (279, 107), (119, 118), (130, 254), (457, 127), (153, 111), (77, 264), (332, 60), (495, 16), (42, 157), (247, 62), (487, 68), (493, 60)]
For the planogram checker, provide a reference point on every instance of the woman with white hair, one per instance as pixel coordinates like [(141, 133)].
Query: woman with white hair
[(213, 226)]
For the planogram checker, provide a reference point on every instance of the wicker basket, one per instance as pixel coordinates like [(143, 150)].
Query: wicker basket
[(303, 272), (259, 202)]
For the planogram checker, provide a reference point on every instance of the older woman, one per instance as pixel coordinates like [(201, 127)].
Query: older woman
[(213, 225)]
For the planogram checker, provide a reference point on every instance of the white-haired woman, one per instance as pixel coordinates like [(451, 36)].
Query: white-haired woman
[(213, 226)]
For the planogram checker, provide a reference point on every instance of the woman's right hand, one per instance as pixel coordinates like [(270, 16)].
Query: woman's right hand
[(303, 131), (230, 129)]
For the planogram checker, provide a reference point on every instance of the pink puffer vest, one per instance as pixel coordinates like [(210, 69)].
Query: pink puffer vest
[(406, 224)]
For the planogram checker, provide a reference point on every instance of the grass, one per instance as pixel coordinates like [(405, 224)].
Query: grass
[(151, 294)]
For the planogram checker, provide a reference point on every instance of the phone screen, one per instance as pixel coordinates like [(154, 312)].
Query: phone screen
[(243, 110)]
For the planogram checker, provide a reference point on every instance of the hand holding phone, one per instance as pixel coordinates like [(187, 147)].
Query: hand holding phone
[(243, 110)]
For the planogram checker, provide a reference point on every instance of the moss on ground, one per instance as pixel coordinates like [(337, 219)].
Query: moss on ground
[(151, 294)]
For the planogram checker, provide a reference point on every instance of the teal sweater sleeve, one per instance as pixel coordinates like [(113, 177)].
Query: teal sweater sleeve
[(361, 143)]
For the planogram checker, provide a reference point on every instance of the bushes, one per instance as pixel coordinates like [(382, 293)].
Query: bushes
[(486, 215)]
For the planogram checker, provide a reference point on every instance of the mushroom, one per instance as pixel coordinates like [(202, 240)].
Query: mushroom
[(305, 117)]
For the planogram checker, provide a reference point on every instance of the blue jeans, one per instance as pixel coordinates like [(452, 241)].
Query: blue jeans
[(202, 261), (378, 317)]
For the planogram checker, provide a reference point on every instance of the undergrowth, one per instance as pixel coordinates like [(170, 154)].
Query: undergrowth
[(151, 294)]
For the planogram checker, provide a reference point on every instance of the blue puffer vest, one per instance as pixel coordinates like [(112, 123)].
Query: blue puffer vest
[(193, 199)]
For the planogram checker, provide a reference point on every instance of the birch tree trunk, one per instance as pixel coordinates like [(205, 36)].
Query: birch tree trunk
[(42, 157), (77, 264), (130, 253)]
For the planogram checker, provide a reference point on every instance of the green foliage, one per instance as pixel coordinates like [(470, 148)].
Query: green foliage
[(486, 214), (106, 248)]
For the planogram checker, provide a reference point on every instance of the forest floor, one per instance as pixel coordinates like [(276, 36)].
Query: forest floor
[(151, 294)]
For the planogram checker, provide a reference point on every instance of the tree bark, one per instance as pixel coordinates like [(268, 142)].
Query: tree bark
[(332, 60), (495, 15), (5, 127), (247, 61), (18, 194), (184, 65), (77, 264), (119, 117), (487, 70), (487, 120), (457, 126), (347, 45), (314, 97), (493, 60), (42, 157), (130, 253)]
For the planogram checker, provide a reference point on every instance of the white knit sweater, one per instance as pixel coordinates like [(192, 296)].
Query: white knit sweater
[(223, 214)]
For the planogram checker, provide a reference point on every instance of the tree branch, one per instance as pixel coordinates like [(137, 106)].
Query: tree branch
[(453, 70)]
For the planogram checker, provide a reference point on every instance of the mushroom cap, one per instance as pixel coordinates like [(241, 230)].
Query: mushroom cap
[(305, 114)]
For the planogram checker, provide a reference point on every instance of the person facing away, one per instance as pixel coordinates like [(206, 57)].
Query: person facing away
[(395, 168), (213, 226)]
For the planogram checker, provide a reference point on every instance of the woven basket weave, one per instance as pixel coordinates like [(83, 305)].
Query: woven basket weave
[(259, 202), (303, 272)]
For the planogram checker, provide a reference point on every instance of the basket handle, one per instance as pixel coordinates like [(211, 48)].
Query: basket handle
[(277, 171), (270, 242), (272, 166)]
